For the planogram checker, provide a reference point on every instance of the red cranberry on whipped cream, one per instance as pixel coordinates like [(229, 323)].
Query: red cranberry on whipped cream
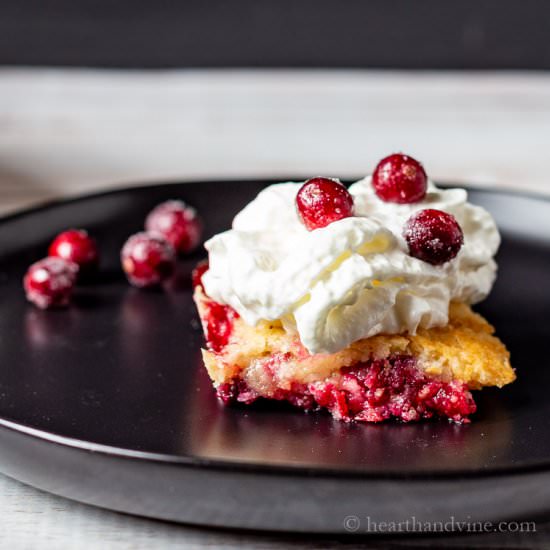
[(321, 201), (400, 178), (433, 236), (353, 278)]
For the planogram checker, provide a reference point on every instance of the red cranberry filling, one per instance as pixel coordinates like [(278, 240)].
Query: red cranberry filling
[(218, 325), (372, 392), (218, 320), (236, 390), (196, 275)]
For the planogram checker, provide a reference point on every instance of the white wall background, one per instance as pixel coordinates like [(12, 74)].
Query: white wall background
[(72, 131)]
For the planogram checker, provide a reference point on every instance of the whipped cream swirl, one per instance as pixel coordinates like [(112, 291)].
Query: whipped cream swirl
[(353, 278)]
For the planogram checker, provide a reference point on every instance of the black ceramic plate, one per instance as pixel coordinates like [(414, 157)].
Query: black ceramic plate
[(107, 402)]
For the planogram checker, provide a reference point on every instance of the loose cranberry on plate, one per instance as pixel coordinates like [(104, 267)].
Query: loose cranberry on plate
[(321, 201), (400, 178), (76, 246), (433, 236), (147, 259), (50, 282), (178, 223)]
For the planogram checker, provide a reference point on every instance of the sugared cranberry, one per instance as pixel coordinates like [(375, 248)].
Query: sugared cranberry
[(321, 201), (178, 223), (147, 259), (400, 178), (76, 246), (198, 272), (433, 236), (50, 282)]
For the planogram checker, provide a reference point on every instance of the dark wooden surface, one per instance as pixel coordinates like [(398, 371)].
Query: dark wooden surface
[(424, 34)]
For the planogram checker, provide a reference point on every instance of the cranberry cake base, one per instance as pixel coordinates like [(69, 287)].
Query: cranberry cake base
[(407, 377)]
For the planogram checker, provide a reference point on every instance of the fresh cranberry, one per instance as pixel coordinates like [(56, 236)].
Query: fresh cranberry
[(197, 273), (321, 201), (50, 282), (76, 246), (147, 259), (400, 178), (178, 223), (433, 236)]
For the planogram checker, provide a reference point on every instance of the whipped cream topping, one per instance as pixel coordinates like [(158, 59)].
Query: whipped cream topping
[(353, 278)]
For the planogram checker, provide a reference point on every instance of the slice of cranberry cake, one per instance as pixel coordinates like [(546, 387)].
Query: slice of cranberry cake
[(409, 377), (355, 301)]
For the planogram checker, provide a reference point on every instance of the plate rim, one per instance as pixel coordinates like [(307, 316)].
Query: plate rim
[(125, 187)]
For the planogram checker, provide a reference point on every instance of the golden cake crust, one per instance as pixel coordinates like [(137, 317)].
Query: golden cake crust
[(465, 350)]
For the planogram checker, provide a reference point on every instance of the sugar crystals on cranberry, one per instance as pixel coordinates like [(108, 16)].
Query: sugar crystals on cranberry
[(178, 223), (77, 246), (147, 259), (322, 201), (50, 282), (400, 178), (433, 236)]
